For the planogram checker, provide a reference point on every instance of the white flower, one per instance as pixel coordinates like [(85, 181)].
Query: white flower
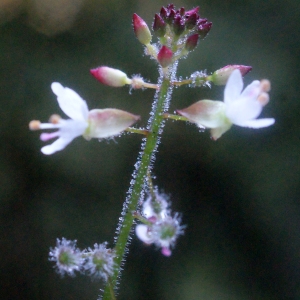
[(67, 257), (163, 233), (100, 261), (155, 208), (239, 108), (97, 123)]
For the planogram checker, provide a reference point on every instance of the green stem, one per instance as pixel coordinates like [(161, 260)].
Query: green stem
[(111, 289), (159, 107), (137, 130), (175, 117)]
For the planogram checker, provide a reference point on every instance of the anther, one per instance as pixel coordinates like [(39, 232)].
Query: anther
[(55, 119), (34, 125), (265, 85)]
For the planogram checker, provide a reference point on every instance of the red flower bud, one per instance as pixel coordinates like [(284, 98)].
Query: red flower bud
[(159, 25), (191, 42), (203, 29), (141, 30), (164, 56)]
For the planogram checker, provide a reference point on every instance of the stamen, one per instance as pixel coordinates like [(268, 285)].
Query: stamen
[(34, 125), (55, 119), (48, 136), (265, 85), (263, 98)]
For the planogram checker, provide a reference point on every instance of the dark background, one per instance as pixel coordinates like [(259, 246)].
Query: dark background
[(239, 196)]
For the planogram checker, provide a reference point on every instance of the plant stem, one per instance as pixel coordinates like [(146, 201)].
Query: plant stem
[(159, 107)]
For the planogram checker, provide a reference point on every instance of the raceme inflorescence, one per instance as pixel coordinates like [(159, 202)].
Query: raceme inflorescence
[(177, 33)]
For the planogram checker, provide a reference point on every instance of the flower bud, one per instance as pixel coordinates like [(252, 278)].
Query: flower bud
[(191, 42), (110, 76), (221, 76), (163, 13), (164, 56), (141, 30), (108, 122), (192, 11), (191, 21), (204, 29), (181, 11), (178, 25), (159, 25)]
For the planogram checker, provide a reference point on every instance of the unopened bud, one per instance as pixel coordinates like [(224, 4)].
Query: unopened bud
[(204, 29), (221, 76), (191, 42), (178, 25), (163, 12), (192, 11), (141, 30), (110, 76), (159, 25), (164, 56), (191, 21), (181, 11)]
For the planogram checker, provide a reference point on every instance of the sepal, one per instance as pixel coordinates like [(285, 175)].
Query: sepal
[(108, 122)]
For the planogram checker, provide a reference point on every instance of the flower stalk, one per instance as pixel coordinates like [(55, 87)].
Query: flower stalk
[(147, 158)]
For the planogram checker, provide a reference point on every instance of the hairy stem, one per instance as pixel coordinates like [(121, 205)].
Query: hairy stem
[(159, 107)]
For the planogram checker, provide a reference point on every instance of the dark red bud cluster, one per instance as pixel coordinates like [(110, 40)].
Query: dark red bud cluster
[(180, 20)]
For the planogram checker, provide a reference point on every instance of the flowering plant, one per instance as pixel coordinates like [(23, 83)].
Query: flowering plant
[(178, 32)]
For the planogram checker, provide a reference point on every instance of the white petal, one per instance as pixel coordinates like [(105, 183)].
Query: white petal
[(58, 145), (70, 102), (141, 231), (243, 110), (252, 90), (260, 123), (233, 87), (72, 129)]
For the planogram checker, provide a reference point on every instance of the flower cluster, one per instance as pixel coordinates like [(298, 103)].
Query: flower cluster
[(97, 262), (239, 108), (178, 32), (180, 22), (159, 227)]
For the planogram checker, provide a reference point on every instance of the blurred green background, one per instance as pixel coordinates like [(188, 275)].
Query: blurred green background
[(239, 196)]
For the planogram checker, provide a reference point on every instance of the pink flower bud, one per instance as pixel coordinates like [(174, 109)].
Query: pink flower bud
[(164, 56), (221, 76), (141, 30), (110, 76)]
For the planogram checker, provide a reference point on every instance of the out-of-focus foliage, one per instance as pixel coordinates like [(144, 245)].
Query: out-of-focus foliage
[(239, 196)]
